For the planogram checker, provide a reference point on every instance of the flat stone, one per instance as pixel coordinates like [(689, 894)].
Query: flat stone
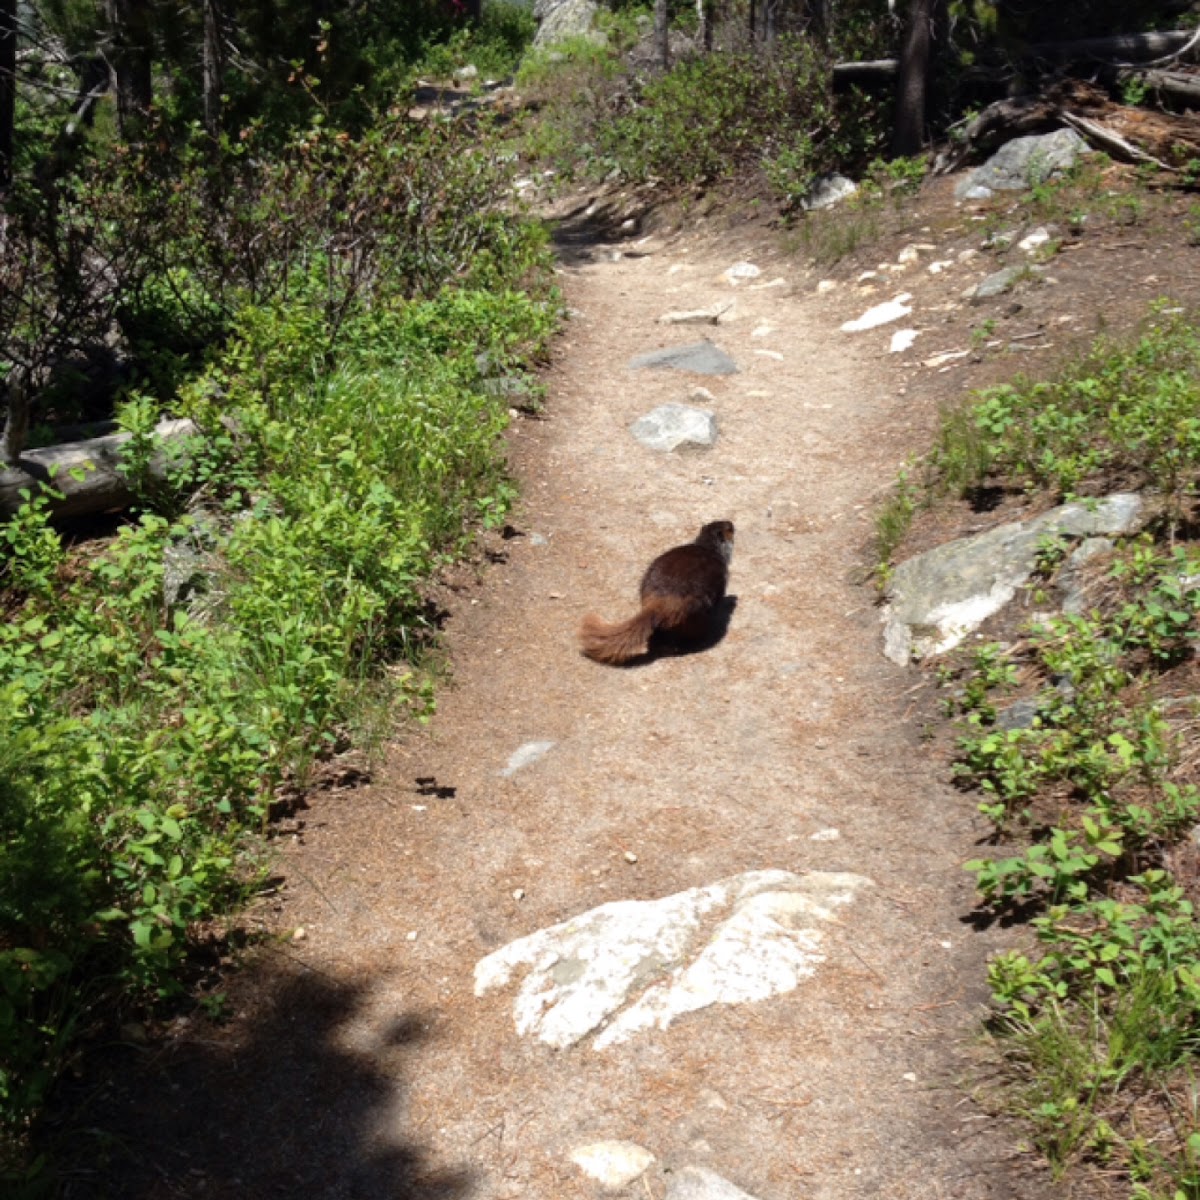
[(937, 598), (999, 282), (742, 270), (634, 965), (881, 314), (699, 1183), (703, 358), (613, 1165), (524, 755), (696, 316), (670, 426), (902, 340)]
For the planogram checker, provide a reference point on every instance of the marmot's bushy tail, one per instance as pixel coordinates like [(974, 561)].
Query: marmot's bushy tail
[(630, 639), (616, 643)]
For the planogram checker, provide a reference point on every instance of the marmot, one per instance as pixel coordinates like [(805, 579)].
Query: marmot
[(681, 592)]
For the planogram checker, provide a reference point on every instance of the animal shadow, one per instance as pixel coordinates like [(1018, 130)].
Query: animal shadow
[(694, 641)]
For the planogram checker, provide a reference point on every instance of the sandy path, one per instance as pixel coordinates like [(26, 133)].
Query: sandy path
[(702, 766), (385, 1075)]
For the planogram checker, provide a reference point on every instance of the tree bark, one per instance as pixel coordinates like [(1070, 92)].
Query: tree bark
[(129, 60), (16, 426), (8, 88), (214, 65), (908, 134), (101, 486), (662, 32)]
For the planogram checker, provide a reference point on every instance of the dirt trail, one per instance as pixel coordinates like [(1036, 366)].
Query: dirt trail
[(390, 1077)]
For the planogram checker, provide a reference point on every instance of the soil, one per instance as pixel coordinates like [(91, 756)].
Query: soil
[(355, 1059)]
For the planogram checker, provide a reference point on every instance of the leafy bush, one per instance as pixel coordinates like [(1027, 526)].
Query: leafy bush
[(345, 322), (1125, 410), (711, 117), (1094, 792)]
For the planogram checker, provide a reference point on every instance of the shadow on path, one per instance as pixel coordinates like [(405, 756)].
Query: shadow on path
[(273, 1105)]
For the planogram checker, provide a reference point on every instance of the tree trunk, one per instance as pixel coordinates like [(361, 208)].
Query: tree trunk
[(130, 58), (16, 427), (8, 88), (662, 31), (704, 27), (100, 487), (214, 66), (908, 134)]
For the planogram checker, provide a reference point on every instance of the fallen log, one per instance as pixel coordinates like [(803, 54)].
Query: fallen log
[(87, 474), (1137, 135), (1173, 84), (1127, 46)]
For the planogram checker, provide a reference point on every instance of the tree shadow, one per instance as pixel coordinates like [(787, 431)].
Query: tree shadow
[(271, 1105), (576, 234)]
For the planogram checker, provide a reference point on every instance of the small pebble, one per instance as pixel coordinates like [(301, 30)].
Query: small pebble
[(518, 893), (630, 857)]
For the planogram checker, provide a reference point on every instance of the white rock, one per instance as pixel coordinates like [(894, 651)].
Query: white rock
[(642, 964), (909, 254), (902, 339), (530, 752), (881, 314), (742, 270), (613, 1165), (772, 354), (825, 835), (947, 356), (1039, 237), (936, 268), (826, 285), (774, 283)]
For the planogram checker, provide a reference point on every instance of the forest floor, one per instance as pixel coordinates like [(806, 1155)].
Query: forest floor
[(357, 1060)]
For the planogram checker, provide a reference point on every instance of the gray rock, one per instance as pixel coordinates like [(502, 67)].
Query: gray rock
[(1024, 162), (828, 190), (186, 573), (702, 357), (634, 965), (1019, 715), (524, 755), (672, 425), (1000, 282), (1074, 600), (565, 19), (936, 599), (699, 1183)]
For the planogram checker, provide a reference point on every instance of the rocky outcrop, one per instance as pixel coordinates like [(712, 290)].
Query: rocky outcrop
[(936, 599)]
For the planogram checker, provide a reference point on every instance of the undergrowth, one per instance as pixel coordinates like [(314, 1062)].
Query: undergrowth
[(1091, 780), (266, 602)]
